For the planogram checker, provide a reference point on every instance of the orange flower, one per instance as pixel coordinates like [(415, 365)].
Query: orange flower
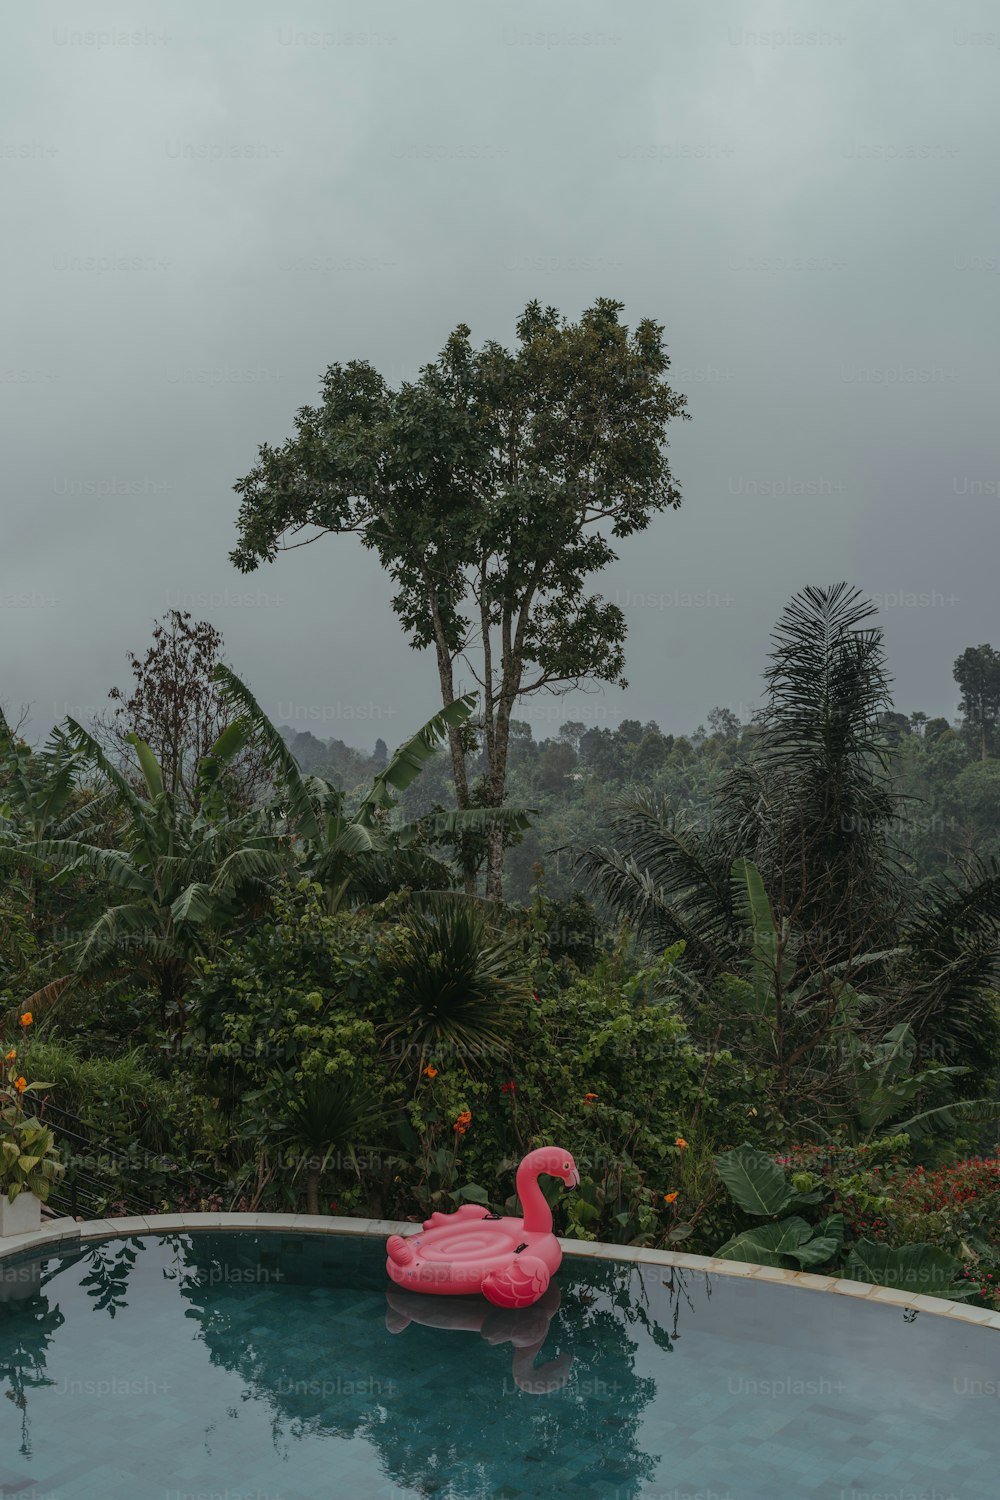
[(681, 1142), (11, 1054), (430, 1072), (27, 1018), (463, 1122), (669, 1197), (590, 1098), (20, 1084)]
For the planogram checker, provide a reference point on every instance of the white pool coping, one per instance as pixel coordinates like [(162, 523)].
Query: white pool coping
[(63, 1233)]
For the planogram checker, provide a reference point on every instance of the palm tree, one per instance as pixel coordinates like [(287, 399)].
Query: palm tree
[(323, 1118), (812, 809)]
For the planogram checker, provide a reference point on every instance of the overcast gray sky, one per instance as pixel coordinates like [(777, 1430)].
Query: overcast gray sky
[(205, 205)]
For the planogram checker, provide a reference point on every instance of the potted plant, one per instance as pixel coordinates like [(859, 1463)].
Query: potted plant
[(29, 1161)]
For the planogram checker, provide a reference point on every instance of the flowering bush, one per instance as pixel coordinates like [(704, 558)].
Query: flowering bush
[(29, 1161), (955, 1207)]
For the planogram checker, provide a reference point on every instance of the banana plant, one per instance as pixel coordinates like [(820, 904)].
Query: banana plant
[(354, 856), (886, 1084), (40, 798), (38, 790)]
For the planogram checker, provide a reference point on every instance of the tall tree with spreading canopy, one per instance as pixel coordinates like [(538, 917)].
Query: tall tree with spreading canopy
[(977, 672), (491, 488)]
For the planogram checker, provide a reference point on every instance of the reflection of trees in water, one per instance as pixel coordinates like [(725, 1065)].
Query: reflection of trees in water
[(339, 1373), (28, 1324), (26, 1330), (110, 1264)]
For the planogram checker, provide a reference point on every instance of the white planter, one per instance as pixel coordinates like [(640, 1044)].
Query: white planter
[(22, 1216)]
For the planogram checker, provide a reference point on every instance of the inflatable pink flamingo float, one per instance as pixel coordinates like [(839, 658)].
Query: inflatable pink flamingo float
[(510, 1261)]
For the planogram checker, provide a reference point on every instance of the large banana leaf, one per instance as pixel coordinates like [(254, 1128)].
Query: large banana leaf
[(67, 854), (280, 760), (93, 753), (777, 1244), (410, 759), (948, 1117), (474, 820), (213, 766), (194, 905), (750, 897), (149, 765)]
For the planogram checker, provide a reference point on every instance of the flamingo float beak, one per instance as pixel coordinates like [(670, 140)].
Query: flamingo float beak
[(573, 1180)]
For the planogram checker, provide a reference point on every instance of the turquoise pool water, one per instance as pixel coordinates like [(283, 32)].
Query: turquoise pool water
[(235, 1366)]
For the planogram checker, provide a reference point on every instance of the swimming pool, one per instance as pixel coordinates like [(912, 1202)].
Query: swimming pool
[(284, 1366)]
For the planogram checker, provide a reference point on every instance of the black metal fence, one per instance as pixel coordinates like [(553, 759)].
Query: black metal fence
[(102, 1179)]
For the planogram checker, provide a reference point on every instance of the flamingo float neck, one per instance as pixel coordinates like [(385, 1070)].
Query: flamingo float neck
[(537, 1214)]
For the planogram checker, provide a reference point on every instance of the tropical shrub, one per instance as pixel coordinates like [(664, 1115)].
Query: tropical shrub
[(464, 1089), (29, 1161), (865, 1215)]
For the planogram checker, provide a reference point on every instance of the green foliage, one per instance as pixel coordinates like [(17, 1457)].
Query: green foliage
[(365, 855), (911, 1268), (29, 1160), (615, 1081), (759, 1186), (181, 877), (794, 887)]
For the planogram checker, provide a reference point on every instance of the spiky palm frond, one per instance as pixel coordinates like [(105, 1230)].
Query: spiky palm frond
[(952, 937), (821, 771), (435, 903), (670, 881), (460, 988), (324, 1114)]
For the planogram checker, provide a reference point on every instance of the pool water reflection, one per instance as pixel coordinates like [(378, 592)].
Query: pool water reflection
[(287, 1366)]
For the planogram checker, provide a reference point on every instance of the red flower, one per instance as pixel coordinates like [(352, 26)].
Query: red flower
[(509, 1088)]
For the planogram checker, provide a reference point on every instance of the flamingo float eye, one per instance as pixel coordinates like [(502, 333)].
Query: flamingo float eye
[(565, 1166)]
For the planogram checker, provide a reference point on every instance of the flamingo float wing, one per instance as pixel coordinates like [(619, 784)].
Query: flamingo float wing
[(517, 1284)]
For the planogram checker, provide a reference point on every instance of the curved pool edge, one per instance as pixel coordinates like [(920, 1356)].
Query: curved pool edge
[(59, 1233)]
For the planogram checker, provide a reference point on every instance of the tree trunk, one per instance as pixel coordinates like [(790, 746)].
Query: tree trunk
[(312, 1190), (446, 677), (497, 794)]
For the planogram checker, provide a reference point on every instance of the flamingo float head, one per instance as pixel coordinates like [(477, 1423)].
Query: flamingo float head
[(551, 1161)]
